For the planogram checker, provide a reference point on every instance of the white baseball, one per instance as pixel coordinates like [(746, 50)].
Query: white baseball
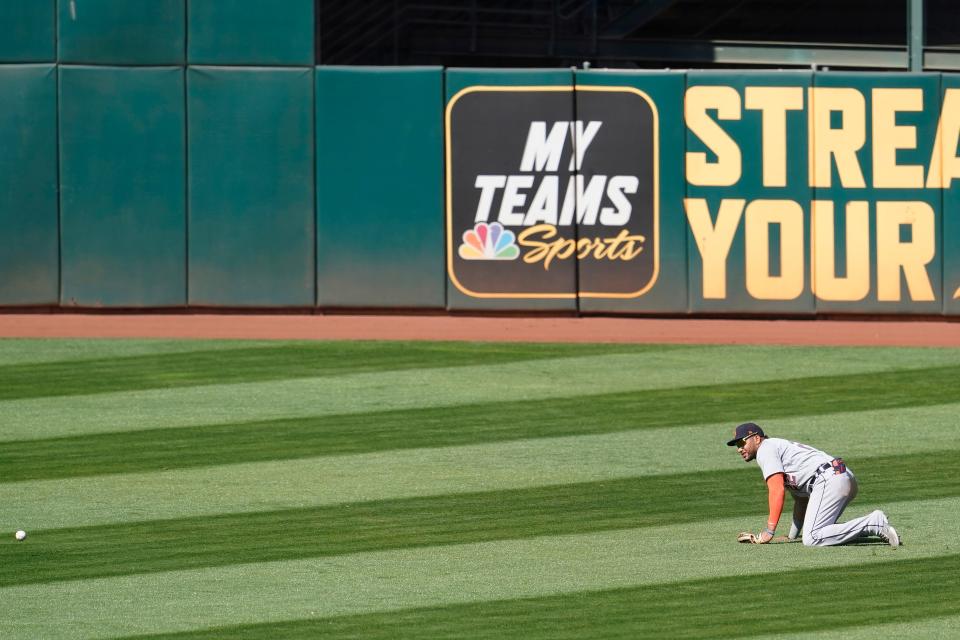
[(20, 535)]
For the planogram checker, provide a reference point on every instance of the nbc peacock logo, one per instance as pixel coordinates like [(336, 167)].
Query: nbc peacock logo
[(488, 242)]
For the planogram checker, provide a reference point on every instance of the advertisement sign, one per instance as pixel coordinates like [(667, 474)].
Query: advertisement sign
[(533, 194)]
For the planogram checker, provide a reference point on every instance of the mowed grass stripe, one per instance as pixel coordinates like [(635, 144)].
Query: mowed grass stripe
[(272, 362), (924, 628), (33, 418), (43, 368), (39, 350), (453, 574), (208, 445), (332, 395), (865, 594), (407, 473), (87, 552)]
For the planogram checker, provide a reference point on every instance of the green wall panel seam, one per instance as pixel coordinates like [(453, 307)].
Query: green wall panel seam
[(443, 189), (941, 239), (576, 199), (59, 192), (186, 45), (186, 184), (315, 263)]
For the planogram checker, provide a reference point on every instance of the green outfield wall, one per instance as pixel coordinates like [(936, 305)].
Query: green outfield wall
[(379, 211), (188, 153), (29, 234), (134, 32), (122, 208), (27, 31), (250, 186), (250, 32)]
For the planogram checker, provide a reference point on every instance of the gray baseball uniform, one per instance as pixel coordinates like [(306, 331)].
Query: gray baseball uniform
[(810, 472)]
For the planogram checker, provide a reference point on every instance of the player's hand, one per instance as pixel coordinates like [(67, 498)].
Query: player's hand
[(746, 537)]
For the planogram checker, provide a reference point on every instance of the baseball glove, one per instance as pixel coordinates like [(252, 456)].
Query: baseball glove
[(747, 538)]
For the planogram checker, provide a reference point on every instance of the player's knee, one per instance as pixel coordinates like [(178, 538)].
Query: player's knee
[(809, 540)]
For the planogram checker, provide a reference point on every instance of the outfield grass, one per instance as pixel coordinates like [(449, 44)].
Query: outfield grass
[(688, 609), (333, 489)]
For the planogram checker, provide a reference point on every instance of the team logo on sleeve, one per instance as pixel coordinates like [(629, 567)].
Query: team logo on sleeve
[(552, 192)]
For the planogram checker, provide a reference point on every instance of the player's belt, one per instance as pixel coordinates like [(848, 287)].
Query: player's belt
[(836, 464)]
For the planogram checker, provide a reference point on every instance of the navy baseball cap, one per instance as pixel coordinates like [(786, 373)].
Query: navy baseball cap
[(745, 430)]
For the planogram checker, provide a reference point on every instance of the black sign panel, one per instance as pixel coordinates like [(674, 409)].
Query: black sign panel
[(546, 186), (624, 150)]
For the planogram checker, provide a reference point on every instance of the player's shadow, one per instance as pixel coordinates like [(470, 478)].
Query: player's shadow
[(867, 542)]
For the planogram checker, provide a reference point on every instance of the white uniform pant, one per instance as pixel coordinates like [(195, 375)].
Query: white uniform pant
[(830, 495)]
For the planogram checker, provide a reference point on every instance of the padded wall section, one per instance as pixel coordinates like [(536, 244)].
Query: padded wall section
[(380, 187), (251, 187), (126, 32), (874, 135), (28, 175), (122, 198), (496, 259), (748, 194), (948, 156), (643, 173), (250, 32), (26, 31)]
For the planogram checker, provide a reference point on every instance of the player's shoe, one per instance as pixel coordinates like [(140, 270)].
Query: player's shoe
[(890, 536)]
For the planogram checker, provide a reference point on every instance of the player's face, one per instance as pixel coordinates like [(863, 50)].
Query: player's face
[(747, 448)]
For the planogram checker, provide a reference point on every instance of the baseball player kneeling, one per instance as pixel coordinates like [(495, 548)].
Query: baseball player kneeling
[(822, 486)]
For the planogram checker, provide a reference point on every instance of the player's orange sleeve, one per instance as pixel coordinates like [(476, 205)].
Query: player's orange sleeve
[(775, 498)]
